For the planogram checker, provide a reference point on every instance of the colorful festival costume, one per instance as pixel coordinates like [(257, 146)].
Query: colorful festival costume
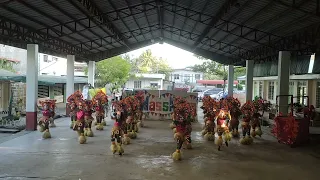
[(140, 97), (79, 125), (182, 111), (247, 110), (116, 139), (52, 109), (72, 100), (120, 116), (210, 107), (88, 118), (45, 119), (131, 108), (235, 112), (98, 101), (255, 122), (222, 121)]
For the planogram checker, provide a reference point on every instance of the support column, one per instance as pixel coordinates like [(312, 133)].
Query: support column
[(283, 80), (230, 80), (70, 79), (91, 72), (249, 80), (32, 87), (51, 92)]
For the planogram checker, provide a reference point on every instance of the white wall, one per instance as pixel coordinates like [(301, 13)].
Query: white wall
[(183, 74), (145, 83), (57, 67)]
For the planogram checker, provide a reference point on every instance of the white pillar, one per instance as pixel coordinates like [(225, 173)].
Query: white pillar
[(91, 72), (230, 80), (283, 80), (32, 87), (70, 75), (249, 80)]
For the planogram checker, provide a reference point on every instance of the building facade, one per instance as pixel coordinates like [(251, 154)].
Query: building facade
[(146, 81), (304, 84), (185, 76)]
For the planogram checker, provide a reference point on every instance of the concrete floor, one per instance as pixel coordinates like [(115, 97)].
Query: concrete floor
[(148, 157)]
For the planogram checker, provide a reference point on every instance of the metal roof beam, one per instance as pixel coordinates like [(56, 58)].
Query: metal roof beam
[(248, 20), (145, 16), (128, 3), (71, 17), (284, 13), (295, 6), (160, 15), (185, 17), (221, 12), (222, 24), (118, 51), (134, 32), (88, 14), (121, 19), (99, 18), (57, 33), (13, 33), (148, 6)]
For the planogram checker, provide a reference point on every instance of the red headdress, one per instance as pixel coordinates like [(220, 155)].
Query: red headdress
[(75, 97), (101, 97), (45, 103), (183, 109), (248, 109)]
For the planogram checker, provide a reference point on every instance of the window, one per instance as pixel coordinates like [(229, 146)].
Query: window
[(154, 85), (45, 58), (176, 76), (54, 59), (302, 91), (271, 91), (137, 85), (197, 76), (318, 95), (187, 77), (260, 88)]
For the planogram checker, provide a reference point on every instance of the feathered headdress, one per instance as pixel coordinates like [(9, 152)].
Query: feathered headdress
[(248, 108), (100, 96), (75, 97)]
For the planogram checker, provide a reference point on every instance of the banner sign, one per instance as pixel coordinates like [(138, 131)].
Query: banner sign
[(159, 104)]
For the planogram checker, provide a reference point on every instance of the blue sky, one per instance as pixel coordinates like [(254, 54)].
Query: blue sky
[(177, 58)]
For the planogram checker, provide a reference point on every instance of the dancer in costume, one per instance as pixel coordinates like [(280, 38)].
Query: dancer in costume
[(131, 108), (210, 107), (72, 103), (120, 117), (235, 112), (52, 111), (116, 139), (80, 123), (88, 118), (222, 120), (98, 101), (44, 120), (182, 110), (140, 97), (255, 122), (247, 110)]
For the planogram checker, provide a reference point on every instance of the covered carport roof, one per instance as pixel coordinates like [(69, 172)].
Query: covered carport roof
[(227, 31)]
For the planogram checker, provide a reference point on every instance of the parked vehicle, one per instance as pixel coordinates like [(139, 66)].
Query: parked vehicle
[(219, 95), (209, 92)]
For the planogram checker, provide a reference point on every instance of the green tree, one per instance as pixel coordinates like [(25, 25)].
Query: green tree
[(7, 64), (215, 70), (147, 63), (115, 70)]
